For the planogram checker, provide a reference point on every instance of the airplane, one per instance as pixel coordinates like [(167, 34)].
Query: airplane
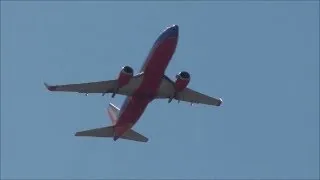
[(149, 84)]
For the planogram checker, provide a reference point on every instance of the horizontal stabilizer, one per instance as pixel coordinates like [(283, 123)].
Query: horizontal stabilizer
[(109, 132), (134, 136), (97, 132)]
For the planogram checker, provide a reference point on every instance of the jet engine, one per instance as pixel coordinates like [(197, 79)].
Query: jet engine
[(182, 81), (125, 75), (124, 78)]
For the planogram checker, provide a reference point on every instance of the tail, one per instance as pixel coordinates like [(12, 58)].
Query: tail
[(109, 132), (113, 112)]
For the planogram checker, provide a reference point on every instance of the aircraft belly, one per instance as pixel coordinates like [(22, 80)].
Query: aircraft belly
[(154, 71), (133, 111), (160, 57)]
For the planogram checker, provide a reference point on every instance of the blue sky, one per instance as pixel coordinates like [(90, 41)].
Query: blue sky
[(261, 58)]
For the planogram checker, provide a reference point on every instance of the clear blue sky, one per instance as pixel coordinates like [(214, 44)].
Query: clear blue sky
[(261, 58)]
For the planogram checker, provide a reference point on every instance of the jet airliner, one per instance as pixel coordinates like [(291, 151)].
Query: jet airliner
[(149, 84)]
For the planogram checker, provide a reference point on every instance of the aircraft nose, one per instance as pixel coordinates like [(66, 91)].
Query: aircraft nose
[(174, 30), (170, 32), (175, 27)]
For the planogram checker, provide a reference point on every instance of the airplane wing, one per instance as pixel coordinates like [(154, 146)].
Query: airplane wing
[(98, 87), (192, 96), (92, 87), (188, 95)]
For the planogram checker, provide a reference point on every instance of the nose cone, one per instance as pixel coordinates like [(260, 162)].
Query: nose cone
[(174, 27), (172, 31)]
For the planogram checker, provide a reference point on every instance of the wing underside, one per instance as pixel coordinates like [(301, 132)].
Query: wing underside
[(166, 91), (102, 87)]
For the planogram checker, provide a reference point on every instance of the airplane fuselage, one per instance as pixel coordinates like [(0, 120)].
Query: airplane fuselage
[(153, 69)]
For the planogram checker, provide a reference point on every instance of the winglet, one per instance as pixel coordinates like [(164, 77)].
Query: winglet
[(50, 88), (220, 102)]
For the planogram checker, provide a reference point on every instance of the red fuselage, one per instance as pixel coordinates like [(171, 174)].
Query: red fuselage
[(153, 71)]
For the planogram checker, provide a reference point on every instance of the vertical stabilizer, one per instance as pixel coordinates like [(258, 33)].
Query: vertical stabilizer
[(113, 112)]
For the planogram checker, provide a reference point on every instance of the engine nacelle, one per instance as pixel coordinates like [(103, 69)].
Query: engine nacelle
[(182, 81), (125, 75)]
